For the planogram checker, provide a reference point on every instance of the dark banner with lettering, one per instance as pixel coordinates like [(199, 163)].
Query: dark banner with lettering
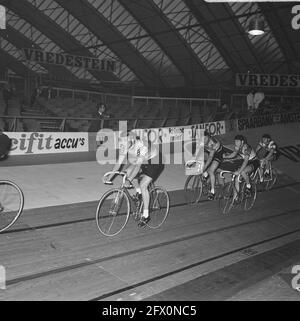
[(63, 59), (267, 80), (267, 120)]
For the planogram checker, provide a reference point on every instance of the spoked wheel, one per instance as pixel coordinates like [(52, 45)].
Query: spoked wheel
[(159, 206), (112, 212), (270, 182), (11, 204), (226, 198), (193, 189), (249, 198)]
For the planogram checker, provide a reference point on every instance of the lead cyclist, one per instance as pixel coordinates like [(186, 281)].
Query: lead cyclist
[(138, 154)]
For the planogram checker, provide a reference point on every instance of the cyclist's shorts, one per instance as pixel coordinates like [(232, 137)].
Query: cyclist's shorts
[(152, 170), (255, 164), (218, 156)]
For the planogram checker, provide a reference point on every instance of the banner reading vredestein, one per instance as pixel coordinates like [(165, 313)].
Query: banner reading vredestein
[(267, 80), (48, 143), (63, 59)]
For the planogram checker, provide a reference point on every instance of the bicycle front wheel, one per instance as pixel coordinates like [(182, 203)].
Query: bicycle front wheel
[(193, 189), (272, 181), (112, 212), (250, 197), (159, 207), (226, 198), (11, 204)]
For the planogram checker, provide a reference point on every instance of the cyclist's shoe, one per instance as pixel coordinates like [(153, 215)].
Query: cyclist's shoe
[(248, 191), (205, 179), (144, 220), (129, 185), (211, 196)]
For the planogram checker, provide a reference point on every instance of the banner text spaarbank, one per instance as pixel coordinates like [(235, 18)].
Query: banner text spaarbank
[(33, 143)]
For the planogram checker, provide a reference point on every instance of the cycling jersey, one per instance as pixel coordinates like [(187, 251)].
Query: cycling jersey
[(269, 147), (138, 149), (213, 145), (246, 150), (5, 145)]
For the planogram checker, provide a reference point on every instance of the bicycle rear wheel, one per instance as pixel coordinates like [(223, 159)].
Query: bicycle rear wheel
[(11, 204), (159, 207), (193, 189), (112, 212), (226, 198)]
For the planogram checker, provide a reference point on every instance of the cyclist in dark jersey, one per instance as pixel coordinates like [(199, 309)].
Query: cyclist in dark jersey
[(5, 145), (250, 161), (215, 151), (270, 149)]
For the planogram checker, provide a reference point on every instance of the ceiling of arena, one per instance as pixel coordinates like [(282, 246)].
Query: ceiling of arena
[(156, 43)]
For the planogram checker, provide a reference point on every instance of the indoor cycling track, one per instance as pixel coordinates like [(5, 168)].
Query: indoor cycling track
[(57, 253)]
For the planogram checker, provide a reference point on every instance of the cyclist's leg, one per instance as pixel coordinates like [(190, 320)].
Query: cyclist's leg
[(144, 184), (237, 188), (150, 174), (211, 172), (132, 171), (245, 174)]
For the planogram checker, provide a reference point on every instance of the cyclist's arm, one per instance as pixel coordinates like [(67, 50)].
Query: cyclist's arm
[(232, 155), (244, 165), (209, 160), (270, 154), (119, 163), (258, 148)]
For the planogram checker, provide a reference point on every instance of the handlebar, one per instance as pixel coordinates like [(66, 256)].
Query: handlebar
[(192, 161), (117, 173), (230, 173)]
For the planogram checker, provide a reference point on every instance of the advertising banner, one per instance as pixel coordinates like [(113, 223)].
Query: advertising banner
[(62, 59), (267, 120), (34, 143), (267, 80)]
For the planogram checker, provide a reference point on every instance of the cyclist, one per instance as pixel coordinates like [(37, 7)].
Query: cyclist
[(138, 151), (270, 149), (250, 162), (5, 146), (215, 151)]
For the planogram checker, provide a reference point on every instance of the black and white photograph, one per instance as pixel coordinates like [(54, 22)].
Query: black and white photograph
[(149, 153)]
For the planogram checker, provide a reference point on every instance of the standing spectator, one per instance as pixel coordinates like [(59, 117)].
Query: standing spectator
[(258, 99), (7, 95), (36, 93), (99, 115), (250, 101)]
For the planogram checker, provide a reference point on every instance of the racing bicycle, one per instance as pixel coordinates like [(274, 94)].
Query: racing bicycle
[(115, 206)]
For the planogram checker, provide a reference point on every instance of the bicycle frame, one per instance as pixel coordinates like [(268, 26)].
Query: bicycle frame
[(233, 176), (261, 173), (123, 188)]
